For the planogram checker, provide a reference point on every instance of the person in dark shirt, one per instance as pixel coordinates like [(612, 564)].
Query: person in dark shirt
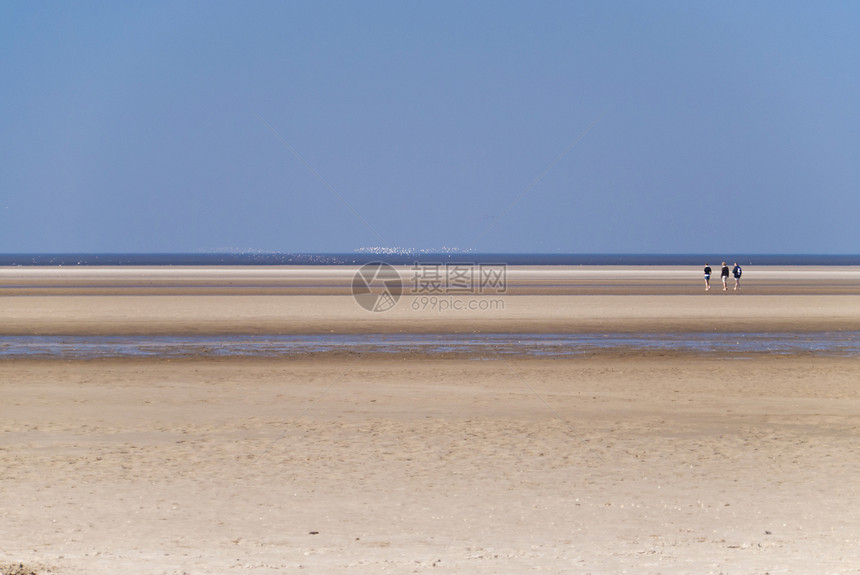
[(707, 276), (724, 275), (737, 271)]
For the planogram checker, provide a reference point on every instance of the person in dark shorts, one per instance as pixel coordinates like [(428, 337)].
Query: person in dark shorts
[(707, 276), (724, 275), (737, 271)]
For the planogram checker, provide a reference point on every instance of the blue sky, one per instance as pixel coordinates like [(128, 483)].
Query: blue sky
[(574, 127)]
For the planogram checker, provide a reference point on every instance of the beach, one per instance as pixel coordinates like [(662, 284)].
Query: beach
[(622, 460), (253, 300)]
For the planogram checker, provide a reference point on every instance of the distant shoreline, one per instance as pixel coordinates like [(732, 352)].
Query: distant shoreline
[(407, 258)]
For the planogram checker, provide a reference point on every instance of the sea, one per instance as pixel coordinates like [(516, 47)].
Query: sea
[(475, 346), (394, 256)]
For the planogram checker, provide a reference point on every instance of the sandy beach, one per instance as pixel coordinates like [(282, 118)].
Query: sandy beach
[(177, 300), (621, 461)]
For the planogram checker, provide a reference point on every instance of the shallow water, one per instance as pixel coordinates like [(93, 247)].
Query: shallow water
[(834, 344)]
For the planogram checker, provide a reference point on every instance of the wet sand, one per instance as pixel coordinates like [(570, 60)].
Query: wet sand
[(644, 462)]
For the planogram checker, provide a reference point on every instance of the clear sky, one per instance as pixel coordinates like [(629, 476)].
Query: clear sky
[(576, 127)]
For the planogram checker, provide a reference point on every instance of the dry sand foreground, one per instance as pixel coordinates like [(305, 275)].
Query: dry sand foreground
[(370, 465), (616, 462)]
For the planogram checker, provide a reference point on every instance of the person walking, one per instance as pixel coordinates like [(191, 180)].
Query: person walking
[(737, 271), (724, 276), (707, 277)]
